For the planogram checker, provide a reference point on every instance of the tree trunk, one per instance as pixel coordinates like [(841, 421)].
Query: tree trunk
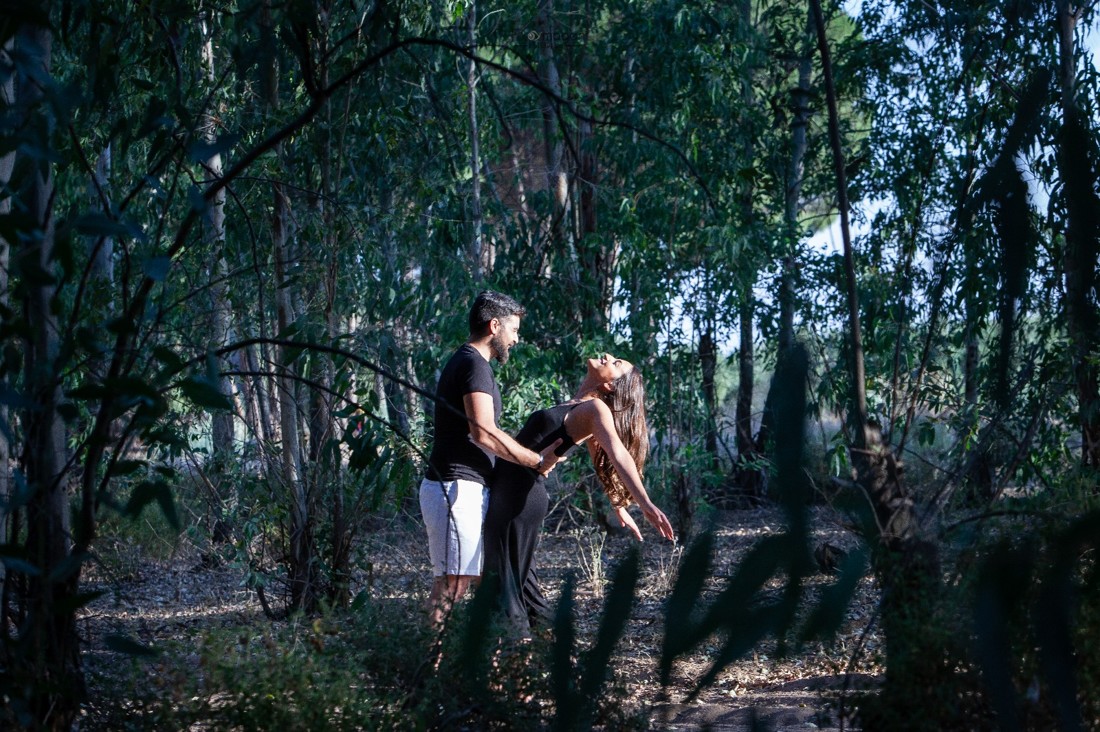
[(788, 277), (708, 362), (793, 203), (598, 256), (979, 471), (221, 432), (259, 399), (1082, 231), (477, 264), (301, 569), (395, 400), (643, 324), (557, 179), (979, 466), (327, 465), (102, 254), (7, 165), (750, 480), (907, 561), (50, 634)]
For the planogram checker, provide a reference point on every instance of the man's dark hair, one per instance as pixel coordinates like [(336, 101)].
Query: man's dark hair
[(489, 305)]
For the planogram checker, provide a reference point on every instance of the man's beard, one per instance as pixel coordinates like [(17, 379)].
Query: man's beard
[(499, 348)]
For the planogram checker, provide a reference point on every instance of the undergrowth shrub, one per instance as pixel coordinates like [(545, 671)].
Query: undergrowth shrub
[(1014, 640), (936, 686), (377, 666)]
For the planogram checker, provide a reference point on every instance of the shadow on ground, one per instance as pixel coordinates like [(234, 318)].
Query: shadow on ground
[(804, 704)]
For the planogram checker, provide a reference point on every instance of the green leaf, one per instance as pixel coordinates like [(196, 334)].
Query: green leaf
[(361, 602), (202, 150), (561, 660), (89, 339), (198, 202), (127, 467), (291, 354), (686, 597), (156, 268), (156, 118), (32, 272), (68, 412), (730, 612), (67, 567), (19, 14), (167, 356), (131, 389), (121, 325), (14, 224), (99, 224), (752, 625), (926, 433), (827, 617), (204, 394), (616, 610), (128, 646), (148, 491), (15, 564), (474, 656), (88, 391), (74, 602), (1003, 581)]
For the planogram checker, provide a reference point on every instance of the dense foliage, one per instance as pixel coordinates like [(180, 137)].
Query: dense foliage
[(238, 238)]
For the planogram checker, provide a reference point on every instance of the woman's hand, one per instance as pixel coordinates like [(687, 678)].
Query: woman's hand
[(657, 518), (625, 519)]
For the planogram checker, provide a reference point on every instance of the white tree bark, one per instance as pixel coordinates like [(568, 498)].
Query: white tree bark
[(477, 247), (222, 423)]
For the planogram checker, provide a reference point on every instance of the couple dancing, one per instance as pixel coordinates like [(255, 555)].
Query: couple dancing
[(484, 499)]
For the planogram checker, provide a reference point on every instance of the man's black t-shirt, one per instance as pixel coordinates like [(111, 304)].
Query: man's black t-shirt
[(455, 456)]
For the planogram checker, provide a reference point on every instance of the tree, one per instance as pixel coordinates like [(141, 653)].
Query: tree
[(1077, 150)]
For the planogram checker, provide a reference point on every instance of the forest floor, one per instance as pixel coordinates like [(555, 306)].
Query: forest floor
[(177, 601)]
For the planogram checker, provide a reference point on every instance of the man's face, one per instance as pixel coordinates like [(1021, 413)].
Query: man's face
[(506, 336)]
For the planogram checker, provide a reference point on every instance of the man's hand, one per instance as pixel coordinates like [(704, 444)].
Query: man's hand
[(550, 458)]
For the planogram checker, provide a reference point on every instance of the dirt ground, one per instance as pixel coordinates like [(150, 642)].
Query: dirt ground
[(151, 601)]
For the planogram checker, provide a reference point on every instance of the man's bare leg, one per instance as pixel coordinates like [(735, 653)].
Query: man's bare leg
[(446, 591)]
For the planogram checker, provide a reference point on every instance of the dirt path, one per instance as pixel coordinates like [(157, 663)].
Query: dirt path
[(153, 602), (812, 703)]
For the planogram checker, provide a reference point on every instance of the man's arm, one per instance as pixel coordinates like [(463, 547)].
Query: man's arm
[(484, 431)]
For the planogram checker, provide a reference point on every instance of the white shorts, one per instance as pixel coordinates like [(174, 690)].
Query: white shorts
[(454, 512)]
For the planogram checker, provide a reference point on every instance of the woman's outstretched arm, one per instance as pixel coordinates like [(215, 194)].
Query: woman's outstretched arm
[(598, 418)]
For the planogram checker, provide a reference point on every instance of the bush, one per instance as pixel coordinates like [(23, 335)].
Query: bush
[(1012, 642), (376, 666)]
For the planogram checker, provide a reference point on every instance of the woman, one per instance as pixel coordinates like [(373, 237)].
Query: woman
[(608, 413)]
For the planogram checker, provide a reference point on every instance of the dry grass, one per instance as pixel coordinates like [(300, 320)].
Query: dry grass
[(175, 601)]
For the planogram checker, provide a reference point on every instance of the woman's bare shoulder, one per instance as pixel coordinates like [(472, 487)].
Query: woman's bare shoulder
[(593, 407), (587, 414), (593, 411)]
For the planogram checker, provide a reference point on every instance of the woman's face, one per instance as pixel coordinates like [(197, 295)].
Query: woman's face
[(609, 368)]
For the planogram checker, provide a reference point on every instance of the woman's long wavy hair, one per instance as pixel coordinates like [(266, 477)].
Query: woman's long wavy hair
[(627, 403)]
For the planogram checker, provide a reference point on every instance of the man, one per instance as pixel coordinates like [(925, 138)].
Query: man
[(454, 494)]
